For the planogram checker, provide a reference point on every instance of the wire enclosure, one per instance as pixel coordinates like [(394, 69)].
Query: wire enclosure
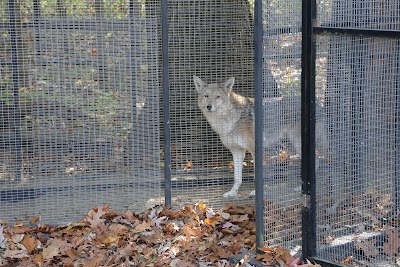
[(80, 101)]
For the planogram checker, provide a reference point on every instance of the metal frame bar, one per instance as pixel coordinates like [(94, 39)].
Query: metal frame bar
[(309, 243), (166, 102), (258, 113), (397, 145), (308, 120), (355, 31)]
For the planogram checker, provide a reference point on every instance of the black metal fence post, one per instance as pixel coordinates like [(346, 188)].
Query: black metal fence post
[(166, 100), (308, 129), (258, 112), (397, 138)]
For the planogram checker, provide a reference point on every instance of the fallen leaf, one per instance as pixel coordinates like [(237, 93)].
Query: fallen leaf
[(108, 239), (38, 259), (94, 217), (347, 260), (239, 218), (15, 254), (267, 258), (96, 261), (51, 251), (191, 231), (213, 221), (34, 220), (144, 226), (29, 243)]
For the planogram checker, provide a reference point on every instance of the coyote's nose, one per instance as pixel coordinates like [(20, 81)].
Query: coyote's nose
[(209, 107)]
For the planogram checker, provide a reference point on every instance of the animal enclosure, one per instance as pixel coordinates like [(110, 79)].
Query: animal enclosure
[(98, 105)]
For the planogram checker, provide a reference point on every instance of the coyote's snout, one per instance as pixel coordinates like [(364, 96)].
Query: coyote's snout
[(232, 117)]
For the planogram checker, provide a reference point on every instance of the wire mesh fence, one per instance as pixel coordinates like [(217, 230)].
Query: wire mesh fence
[(282, 123), (214, 41), (80, 108), (81, 116), (357, 206)]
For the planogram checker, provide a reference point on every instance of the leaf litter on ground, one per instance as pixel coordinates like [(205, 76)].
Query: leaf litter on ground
[(192, 236)]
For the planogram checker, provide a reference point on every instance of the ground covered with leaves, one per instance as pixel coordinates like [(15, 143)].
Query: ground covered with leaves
[(192, 236)]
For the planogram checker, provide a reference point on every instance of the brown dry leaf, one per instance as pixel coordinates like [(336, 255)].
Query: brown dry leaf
[(267, 259), (231, 165), (214, 221), (118, 229), (189, 231), (50, 251), (96, 261), (15, 254), (71, 253), (193, 234), (76, 241), (17, 238), (34, 220), (190, 216), (267, 250), (67, 262), (26, 263), (18, 224), (69, 228), (29, 243), (130, 216), (108, 239), (283, 156), (42, 238), (38, 259), (347, 260), (283, 254), (144, 226), (21, 229), (239, 218), (201, 206), (171, 228), (94, 51), (94, 217), (181, 263)]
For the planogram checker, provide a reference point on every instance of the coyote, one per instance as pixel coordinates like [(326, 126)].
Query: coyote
[(231, 116)]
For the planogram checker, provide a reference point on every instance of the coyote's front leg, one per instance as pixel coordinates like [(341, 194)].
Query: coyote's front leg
[(238, 157)]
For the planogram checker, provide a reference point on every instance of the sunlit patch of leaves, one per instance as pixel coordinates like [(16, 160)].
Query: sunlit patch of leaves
[(192, 236)]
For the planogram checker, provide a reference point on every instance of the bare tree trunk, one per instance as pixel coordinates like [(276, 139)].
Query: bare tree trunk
[(213, 40)]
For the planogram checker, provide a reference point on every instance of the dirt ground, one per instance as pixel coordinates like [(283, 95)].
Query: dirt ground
[(58, 201)]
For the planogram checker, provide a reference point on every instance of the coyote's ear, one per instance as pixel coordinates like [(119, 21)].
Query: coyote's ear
[(198, 83), (228, 85)]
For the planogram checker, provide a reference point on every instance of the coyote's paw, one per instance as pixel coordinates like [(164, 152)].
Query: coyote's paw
[(253, 193), (231, 193)]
